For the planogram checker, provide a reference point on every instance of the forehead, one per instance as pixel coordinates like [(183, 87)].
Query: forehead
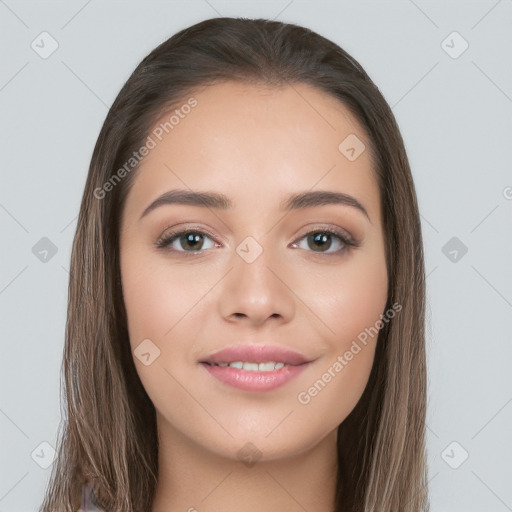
[(257, 144)]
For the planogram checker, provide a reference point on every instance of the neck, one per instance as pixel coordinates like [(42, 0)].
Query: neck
[(193, 479)]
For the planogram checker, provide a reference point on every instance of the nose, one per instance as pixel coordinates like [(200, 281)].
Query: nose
[(256, 291)]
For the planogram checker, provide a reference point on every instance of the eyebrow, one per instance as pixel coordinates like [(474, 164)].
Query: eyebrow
[(220, 201)]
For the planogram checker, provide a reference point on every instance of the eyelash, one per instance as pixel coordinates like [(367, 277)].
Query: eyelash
[(347, 241)]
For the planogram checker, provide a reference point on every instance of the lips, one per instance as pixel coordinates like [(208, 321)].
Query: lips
[(255, 367), (256, 354)]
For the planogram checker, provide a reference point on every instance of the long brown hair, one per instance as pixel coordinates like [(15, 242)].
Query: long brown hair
[(109, 434)]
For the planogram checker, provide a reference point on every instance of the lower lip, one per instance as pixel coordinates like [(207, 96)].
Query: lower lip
[(252, 380)]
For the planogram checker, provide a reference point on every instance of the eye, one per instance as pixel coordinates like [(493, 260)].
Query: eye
[(190, 241), (323, 240)]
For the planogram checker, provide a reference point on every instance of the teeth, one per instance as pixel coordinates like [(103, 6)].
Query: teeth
[(266, 367), (254, 367)]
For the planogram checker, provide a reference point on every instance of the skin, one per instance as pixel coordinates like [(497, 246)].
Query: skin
[(256, 145)]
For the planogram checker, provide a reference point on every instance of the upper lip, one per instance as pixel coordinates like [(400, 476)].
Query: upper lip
[(256, 354)]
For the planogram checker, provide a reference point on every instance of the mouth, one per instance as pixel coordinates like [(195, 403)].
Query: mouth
[(255, 367), (269, 366), (246, 356)]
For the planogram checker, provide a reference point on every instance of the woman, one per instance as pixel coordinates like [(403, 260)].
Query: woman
[(246, 304)]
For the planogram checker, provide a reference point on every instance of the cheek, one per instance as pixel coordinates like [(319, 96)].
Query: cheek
[(157, 296), (351, 304), (160, 299), (353, 298)]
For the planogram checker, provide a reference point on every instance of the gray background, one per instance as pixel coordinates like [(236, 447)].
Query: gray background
[(455, 113)]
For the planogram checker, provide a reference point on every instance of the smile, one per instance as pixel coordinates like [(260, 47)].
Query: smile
[(250, 377), (252, 367)]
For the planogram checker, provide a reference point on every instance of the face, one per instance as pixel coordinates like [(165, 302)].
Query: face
[(256, 276)]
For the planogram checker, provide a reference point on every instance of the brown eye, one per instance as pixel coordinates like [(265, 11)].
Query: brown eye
[(322, 241), (187, 241)]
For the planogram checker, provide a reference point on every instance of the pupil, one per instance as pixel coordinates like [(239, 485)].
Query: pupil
[(190, 239), (321, 238)]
